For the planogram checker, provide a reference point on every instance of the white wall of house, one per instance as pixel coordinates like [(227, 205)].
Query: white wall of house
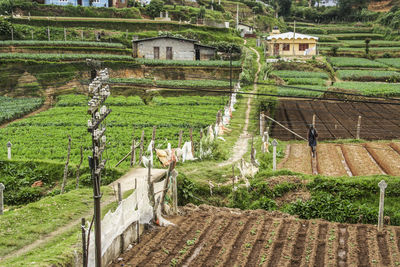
[(181, 50)]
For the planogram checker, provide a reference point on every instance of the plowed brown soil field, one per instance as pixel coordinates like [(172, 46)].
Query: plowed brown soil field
[(299, 159), (210, 236), (345, 159), (336, 120)]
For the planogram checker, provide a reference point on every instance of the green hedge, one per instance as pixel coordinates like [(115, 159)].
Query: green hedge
[(349, 200)]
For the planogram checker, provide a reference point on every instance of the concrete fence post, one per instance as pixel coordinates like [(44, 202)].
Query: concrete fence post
[(274, 144), (382, 186), (9, 145), (358, 127)]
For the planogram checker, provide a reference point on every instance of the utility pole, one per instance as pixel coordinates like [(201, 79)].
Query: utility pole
[(294, 37), (100, 90), (230, 69)]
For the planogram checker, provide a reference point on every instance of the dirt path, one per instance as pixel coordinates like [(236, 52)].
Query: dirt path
[(127, 183), (241, 145)]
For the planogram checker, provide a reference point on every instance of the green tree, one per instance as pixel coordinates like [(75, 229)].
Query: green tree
[(283, 7), (154, 8)]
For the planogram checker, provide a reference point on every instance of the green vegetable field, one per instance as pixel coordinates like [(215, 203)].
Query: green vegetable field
[(372, 88), (44, 136), (355, 62), (368, 75), (12, 108)]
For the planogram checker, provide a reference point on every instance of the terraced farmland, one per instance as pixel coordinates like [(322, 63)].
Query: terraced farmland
[(337, 120), (210, 236)]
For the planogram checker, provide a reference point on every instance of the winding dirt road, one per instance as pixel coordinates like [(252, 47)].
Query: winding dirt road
[(241, 145)]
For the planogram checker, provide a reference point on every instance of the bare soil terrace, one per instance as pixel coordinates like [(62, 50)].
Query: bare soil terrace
[(210, 236), (345, 159), (337, 120)]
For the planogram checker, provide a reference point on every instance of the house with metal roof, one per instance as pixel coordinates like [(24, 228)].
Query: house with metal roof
[(291, 44), (170, 47)]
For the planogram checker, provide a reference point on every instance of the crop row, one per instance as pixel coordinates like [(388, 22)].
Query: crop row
[(393, 62), (371, 88), (282, 91), (81, 100), (44, 135), (60, 43), (300, 74), (355, 62), (173, 83), (368, 75), (149, 62), (12, 108)]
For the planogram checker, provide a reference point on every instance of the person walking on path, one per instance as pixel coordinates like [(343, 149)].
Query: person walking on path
[(312, 139)]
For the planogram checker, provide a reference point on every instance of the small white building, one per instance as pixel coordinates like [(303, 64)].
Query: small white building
[(169, 47), (326, 3), (244, 29)]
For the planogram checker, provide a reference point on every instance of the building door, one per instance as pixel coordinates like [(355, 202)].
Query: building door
[(79, 2), (197, 54), (169, 52), (276, 49), (156, 52)]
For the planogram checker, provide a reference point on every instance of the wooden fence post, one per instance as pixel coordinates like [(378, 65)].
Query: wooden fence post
[(180, 139), (262, 124), (119, 193), (358, 127), (66, 166), (153, 138), (274, 144), (233, 176), (32, 34), (9, 145), (84, 253), (141, 148), (382, 186), (133, 154), (82, 35), (2, 187), (78, 169), (65, 34), (191, 139), (48, 33), (138, 222), (175, 194)]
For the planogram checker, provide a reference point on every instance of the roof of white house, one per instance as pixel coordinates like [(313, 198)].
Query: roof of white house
[(289, 35)]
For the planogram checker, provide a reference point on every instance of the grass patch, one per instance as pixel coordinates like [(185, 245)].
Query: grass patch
[(25, 225)]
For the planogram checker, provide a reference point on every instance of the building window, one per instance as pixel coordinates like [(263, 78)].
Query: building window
[(286, 47), (303, 47), (95, 1)]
